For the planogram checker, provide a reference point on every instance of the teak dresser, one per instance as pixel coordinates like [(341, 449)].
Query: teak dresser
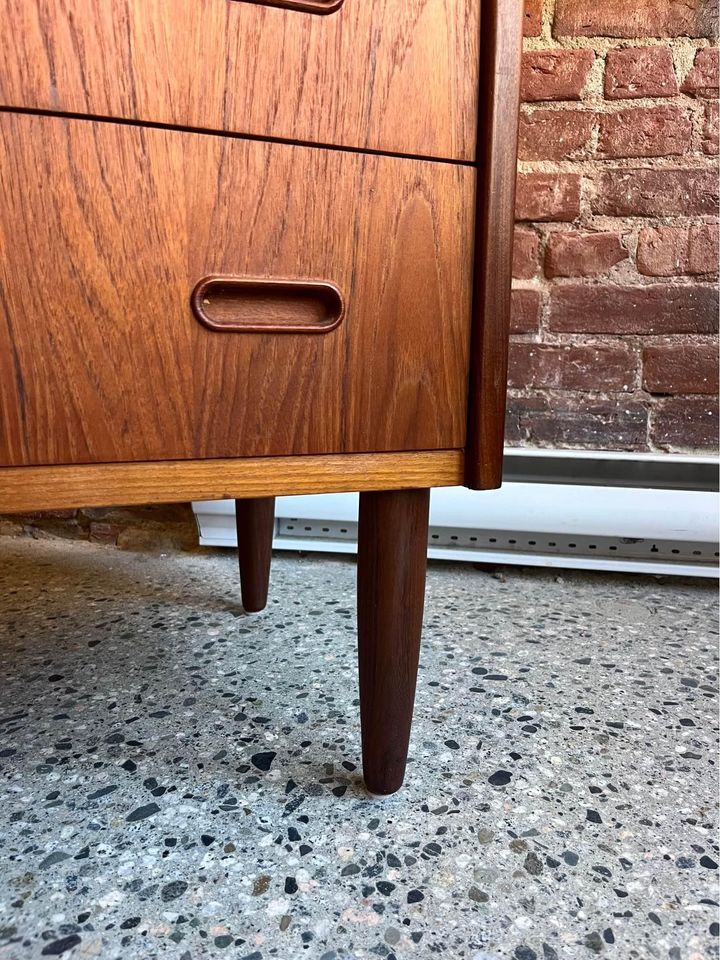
[(259, 248)]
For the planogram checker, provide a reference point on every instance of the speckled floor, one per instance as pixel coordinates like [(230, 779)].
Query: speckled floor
[(178, 779)]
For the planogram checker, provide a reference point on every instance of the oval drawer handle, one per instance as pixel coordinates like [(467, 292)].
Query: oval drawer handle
[(303, 6), (253, 305)]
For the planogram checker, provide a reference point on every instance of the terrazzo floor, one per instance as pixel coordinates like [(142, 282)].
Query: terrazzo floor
[(178, 779)]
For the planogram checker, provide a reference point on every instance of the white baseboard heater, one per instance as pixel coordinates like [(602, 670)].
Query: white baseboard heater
[(564, 509)]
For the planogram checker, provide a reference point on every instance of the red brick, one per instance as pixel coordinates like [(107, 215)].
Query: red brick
[(47, 527), (51, 515), (656, 193), (640, 72), (526, 254), (582, 254), (655, 309), (645, 132), (525, 312), (533, 18), (685, 423), (572, 367), (555, 134), (704, 78), (635, 18), (104, 532), (681, 368), (158, 513), (548, 196), (711, 129), (555, 74), (574, 421), (674, 251)]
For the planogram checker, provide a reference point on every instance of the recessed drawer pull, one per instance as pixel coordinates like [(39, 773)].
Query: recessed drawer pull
[(304, 6), (251, 305)]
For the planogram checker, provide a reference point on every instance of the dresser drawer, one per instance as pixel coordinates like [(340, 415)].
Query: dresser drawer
[(390, 75), (105, 231)]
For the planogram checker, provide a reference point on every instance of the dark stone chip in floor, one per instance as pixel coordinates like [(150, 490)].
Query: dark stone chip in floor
[(57, 947), (56, 857), (479, 896), (263, 761), (593, 941), (102, 792), (141, 813), (261, 885), (173, 890), (500, 778)]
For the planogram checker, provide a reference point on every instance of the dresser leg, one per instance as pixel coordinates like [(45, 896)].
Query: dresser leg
[(255, 520), (392, 558)]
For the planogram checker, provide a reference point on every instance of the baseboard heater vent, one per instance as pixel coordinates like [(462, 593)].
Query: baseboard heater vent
[(314, 534), (621, 523)]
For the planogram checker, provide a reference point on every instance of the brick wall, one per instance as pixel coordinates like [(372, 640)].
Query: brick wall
[(615, 303), (157, 527)]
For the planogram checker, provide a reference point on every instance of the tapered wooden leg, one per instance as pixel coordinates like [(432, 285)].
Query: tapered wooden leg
[(255, 519), (392, 558)]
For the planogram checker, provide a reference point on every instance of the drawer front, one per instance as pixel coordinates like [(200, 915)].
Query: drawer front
[(391, 75), (107, 229)]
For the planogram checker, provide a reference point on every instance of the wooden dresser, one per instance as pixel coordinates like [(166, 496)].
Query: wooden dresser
[(260, 248)]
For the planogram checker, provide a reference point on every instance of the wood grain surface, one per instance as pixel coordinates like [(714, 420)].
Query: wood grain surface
[(105, 230), (389, 75), (391, 564), (255, 525), (125, 484), (497, 153)]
